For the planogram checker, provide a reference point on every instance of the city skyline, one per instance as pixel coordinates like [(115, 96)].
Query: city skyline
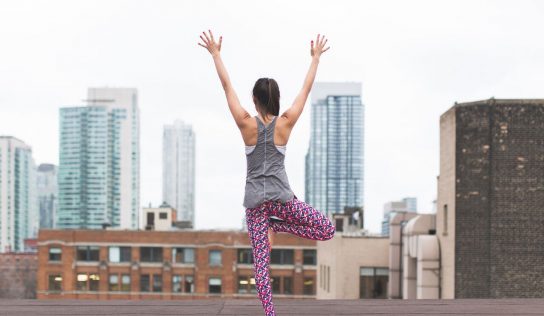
[(414, 59)]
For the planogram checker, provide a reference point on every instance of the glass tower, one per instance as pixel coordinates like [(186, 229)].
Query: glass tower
[(47, 194), (178, 169), (99, 171), (334, 162), (18, 207)]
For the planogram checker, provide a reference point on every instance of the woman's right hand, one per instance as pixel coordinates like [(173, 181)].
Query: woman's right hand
[(318, 49), (212, 47)]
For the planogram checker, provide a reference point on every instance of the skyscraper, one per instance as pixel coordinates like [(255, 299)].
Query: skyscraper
[(334, 162), (178, 169), (408, 204), (99, 172), (18, 215), (47, 194)]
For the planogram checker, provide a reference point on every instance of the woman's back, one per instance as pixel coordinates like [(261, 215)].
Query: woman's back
[(266, 177)]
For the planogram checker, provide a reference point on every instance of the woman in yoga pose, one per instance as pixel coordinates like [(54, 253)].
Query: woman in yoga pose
[(269, 201)]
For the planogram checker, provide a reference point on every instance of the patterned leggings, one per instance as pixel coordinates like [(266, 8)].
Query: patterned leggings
[(299, 218)]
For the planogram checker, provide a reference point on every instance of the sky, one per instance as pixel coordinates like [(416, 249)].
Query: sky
[(413, 58)]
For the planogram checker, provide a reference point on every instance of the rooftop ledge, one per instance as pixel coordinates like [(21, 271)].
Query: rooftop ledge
[(283, 307)]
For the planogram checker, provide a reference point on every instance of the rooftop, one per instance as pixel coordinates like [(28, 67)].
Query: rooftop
[(283, 307)]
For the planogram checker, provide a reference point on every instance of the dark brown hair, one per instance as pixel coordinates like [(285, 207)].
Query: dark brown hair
[(267, 95)]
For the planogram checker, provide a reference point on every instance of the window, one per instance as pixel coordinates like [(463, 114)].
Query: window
[(214, 285), (163, 215), (182, 283), (339, 224), (373, 282), (246, 284), (114, 282), (81, 282), (287, 285), (55, 282), (150, 254), (88, 253), (215, 257), (309, 256), (275, 284), (150, 283), (94, 282), (119, 254), (183, 255), (282, 256), (176, 283), (144, 283), (245, 256), (125, 283), (189, 284), (87, 282), (308, 288), (157, 283), (55, 253)]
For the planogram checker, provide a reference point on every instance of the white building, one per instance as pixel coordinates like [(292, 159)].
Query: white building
[(99, 172), (18, 204), (178, 169)]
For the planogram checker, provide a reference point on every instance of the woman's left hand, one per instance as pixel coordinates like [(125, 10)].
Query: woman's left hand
[(210, 44)]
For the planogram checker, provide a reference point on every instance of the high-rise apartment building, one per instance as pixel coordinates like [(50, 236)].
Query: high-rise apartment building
[(99, 172), (335, 159), (18, 215), (178, 169)]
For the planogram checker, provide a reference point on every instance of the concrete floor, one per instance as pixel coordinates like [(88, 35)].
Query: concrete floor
[(283, 307)]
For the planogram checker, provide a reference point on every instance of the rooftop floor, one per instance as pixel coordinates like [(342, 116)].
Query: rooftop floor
[(283, 307)]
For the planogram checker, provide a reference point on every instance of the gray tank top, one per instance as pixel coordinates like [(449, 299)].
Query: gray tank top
[(266, 177)]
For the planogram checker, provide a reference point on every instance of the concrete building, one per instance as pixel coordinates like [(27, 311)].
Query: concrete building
[(19, 218), (178, 169), (167, 264), (99, 172), (335, 159), (352, 264), (47, 192), (408, 204)]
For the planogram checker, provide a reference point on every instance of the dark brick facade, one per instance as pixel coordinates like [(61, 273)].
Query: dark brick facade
[(499, 201)]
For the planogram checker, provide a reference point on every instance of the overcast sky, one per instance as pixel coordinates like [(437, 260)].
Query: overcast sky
[(414, 59)]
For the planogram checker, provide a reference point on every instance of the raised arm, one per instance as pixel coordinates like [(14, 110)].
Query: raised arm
[(293, 113), (240, 115)]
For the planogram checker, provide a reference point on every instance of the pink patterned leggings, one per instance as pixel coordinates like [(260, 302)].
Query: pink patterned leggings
[(299, 218)]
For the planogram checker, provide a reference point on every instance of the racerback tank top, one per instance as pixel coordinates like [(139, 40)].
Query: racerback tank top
[(266, 178)]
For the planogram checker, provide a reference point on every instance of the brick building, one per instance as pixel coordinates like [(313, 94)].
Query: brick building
[(174, 264), (18, 275), (490, 207)]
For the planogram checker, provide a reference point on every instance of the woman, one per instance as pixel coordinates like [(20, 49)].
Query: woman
[(267, 191)]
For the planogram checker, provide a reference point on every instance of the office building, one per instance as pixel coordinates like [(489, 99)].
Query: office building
[(47, 194), (335, 159)]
